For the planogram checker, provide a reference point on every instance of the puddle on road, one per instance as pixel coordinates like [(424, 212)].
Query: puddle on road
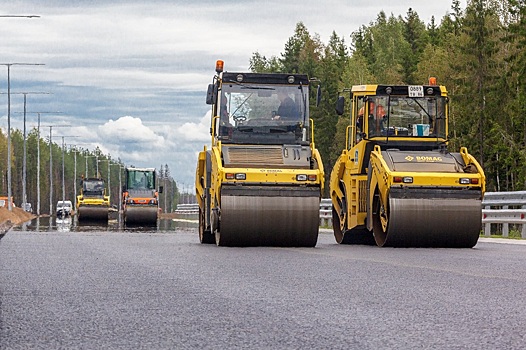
[(70, 224)]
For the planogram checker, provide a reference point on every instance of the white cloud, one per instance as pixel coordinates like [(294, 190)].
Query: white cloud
[(195, 131), (153, 60), (130, 140), (128, 129)]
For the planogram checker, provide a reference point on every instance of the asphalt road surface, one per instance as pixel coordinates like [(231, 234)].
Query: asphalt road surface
[(164, 290)]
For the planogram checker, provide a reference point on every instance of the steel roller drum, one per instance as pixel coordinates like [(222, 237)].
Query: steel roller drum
[(92, 213), (287, 219), (141, 215), (432, 222)]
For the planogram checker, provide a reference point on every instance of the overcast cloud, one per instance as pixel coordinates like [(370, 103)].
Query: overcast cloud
[(130, 76)]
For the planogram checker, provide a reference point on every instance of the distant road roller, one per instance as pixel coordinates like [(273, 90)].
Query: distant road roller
[(93, 203), (260, 183), (140, 197), (396, 184)]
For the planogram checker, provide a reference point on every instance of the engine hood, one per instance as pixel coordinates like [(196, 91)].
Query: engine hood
[(423, 161)]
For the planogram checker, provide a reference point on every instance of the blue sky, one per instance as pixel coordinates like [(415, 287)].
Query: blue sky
[(130, 76)]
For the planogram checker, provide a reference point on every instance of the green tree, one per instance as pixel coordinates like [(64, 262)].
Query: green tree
[(479, 47), (260, 64), (390, 49), (331, 69), (291, 58), (417, 37)]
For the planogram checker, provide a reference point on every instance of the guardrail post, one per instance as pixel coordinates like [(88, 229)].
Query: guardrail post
[(326, 212), (505, 226), (487, 226)]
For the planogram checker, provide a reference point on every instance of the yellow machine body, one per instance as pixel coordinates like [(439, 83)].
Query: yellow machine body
[(260, 182), (395, 184)]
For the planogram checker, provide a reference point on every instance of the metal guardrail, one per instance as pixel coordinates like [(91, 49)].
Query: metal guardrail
[(325, 211), (504, 208), (496, 210), (192, 208)]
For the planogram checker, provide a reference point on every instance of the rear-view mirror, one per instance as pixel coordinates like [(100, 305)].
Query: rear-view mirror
[(211, 94), (340, 105)]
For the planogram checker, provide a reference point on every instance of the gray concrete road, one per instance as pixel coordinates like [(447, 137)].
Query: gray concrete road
[(147, 290)]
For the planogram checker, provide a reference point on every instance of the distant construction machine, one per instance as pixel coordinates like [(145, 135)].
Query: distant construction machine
[(396, 184), (261, 181), (140, 197), (93, 203)]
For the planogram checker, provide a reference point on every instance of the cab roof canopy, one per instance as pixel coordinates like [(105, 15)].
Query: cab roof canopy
[(140, 169), (266, 78), (399, 90)]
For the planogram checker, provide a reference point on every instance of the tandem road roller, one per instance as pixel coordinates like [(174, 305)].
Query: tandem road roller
[(92, 203), (396, 184), (140, 197), (260, 183)]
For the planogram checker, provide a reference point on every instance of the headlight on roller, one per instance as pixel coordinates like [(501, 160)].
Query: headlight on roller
[(301, 177), (237, 176), (403, 179), (468, 181)]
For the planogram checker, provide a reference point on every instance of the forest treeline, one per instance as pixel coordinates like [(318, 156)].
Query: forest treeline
[(77, 162), (478, 53)]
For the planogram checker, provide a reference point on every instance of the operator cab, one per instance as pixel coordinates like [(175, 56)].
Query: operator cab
[(140, 179), (402, 116), (398, 116), (259, 108), (93, 187)]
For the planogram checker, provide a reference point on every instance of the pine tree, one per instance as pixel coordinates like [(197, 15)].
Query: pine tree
[(477, 79), (416, 36)]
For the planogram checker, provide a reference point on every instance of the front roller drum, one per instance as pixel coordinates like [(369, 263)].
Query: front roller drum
[(444, 220), (263, 217), (138, 215), (92, 213)]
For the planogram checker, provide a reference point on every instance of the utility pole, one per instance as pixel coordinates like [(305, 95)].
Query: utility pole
[(51, 166), (38, 156), (86, 158), (8, 65), (109, 173), (64, 169), (119, 191), (75, 151), (19, 16), (24, 161), (38, 159)]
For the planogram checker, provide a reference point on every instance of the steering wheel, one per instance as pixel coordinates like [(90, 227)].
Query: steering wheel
[(383, 123), (239, 118)]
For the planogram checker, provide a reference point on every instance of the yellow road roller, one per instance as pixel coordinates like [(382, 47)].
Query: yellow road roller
[(93, 203), (260, 182), (396, 184)]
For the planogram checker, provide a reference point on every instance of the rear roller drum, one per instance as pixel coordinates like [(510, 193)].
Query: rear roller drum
[(337, 226), (357, 235), (205, 236), (380, 221)]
